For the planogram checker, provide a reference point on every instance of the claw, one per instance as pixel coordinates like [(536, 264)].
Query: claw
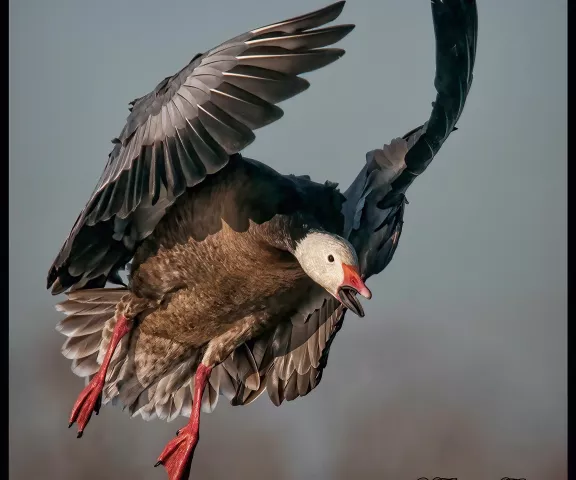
[(98, 405), (88, 401), (177, 456)]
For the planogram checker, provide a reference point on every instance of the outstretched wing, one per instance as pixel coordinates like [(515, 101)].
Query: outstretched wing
[(456, 30), (291, 358), (187, 128)]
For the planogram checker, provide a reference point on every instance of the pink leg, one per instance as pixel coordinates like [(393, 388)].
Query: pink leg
[(89, 400), (177, 456)]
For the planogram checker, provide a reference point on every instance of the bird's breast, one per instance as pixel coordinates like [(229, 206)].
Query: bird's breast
[(205, 286)]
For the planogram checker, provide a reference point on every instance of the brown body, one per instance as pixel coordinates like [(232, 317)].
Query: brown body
[(242, 298), (219, 270), (246, 278)]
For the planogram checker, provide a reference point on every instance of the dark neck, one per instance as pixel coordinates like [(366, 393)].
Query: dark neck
[(285, 232)]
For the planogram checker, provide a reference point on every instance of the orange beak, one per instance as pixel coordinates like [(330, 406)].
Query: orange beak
[(352, 284), (352, 279)]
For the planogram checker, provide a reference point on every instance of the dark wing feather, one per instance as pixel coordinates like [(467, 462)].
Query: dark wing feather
[(296, 352), (187, 128), (456, 30)]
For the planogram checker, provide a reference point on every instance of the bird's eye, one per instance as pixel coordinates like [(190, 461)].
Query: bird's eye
[(330, 258)]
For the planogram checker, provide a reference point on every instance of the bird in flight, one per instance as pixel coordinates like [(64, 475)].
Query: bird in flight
[(238, 277)]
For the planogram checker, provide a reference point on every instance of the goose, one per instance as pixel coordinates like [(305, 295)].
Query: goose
[(238, 277)]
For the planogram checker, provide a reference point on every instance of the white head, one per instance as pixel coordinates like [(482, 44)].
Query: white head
[(331, 261)]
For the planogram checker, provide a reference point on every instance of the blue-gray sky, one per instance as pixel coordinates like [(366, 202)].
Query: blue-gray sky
[(458, 368)]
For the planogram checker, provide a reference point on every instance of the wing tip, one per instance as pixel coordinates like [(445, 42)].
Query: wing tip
[(348, 27), (52, 277), (337, 5), (57, 287), (333, 53), (332, 8), (323, 15)]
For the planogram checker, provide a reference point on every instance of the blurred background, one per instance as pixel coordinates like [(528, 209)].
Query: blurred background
[(458, 368)]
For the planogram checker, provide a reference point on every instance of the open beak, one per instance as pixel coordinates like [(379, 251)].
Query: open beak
[(351, 286)]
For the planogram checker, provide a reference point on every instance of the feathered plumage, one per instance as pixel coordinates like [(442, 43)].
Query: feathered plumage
[(211, 236)]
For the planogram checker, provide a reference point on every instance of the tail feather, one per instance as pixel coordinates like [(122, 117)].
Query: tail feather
[(87, 366), (79, 325), (88, 326), (88, 312), (80, 347)]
